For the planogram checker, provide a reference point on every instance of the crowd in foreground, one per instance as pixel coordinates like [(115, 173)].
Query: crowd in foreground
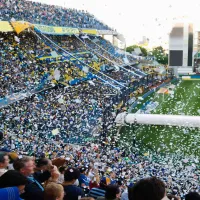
[(88, 173)]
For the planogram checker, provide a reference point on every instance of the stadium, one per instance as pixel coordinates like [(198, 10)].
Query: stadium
[(81, 118)]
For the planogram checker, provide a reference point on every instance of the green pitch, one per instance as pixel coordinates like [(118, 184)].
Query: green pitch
[(186, 101)]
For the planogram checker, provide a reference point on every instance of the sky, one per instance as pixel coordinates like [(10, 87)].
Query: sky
[(135, 19)]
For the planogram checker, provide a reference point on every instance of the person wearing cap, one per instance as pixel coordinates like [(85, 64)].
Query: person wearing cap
[(72, 192), (83, 179)]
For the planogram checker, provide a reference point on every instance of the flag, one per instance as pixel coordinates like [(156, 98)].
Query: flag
[(20, 26)]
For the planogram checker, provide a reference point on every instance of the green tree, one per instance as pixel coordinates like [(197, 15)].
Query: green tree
[(160, 55), (131, 48)]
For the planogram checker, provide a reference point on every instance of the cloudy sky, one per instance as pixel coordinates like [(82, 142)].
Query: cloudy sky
[(138, 18)]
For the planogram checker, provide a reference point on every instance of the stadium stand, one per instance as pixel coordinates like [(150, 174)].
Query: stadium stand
[(57, 141), (38, 13)]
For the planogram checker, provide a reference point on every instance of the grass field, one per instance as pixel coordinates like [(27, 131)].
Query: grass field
[(186, 101)]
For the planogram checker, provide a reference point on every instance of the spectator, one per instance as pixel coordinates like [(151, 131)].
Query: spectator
[(83, 179), (124, 195), (148, 189), (99, 192), (11, 193), (13, 178), (112, 178), (61, 177), (34, 189), (192, 196), (72, 192), (54, 175), (112, 193), (94, 182), (43, 166), (53, 191), (173, 197), (4, 162), (13, 156)]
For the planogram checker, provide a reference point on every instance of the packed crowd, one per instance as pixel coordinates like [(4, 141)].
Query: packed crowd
[(95, 61), (43, 125), (114, 56), (38, 13), (27, 60), (37, 158), (98, 43), (74, 111), (106, 49), (103, 61), (99, 47), (92, 172), (18, 68)]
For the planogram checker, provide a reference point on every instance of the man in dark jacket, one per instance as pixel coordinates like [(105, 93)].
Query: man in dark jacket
[(33, 189)]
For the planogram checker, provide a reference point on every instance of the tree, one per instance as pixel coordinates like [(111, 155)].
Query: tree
[(131, 49), (160, 55)]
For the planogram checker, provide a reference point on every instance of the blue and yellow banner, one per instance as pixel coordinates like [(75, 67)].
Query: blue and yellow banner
[(20, 26), (53, 30)]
